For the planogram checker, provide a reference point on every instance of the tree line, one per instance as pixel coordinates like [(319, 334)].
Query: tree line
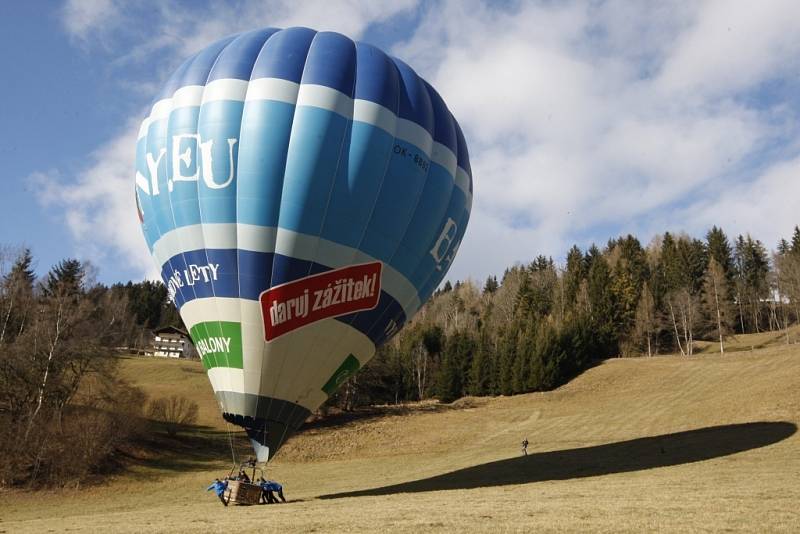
[(540, 324), (533, 329), (65, 412)]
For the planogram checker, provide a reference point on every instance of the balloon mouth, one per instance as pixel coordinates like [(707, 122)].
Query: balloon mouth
[(267, 436)]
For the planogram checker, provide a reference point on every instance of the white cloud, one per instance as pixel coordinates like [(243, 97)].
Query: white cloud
[(765, 207), (99, 205), (83, 19), (606, 116), (583, 119), (97, 202), (184, 28), (732, 46)]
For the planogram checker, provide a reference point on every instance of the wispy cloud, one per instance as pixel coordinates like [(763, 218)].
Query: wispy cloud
[(97, 202), (181, 28), (86, 20), (583, 118), (590, 118), (99, 206)]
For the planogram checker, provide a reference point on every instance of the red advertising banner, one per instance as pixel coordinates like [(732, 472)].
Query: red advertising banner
[(333, 293)]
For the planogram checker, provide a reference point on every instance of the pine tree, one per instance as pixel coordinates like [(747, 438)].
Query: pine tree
[(695, 261), (456, 361), (635, 259), (21, 274), (752, 270), (481, 370), (521, 370), (148, 303), (624, 298), (683, 262), (787, 283), (15, 294), (541, 263), (545, 372), (505, 361), (796, 240), (600, 303), (575, 272), (65, 278), (719, 249), (491, 285), (523, 304)]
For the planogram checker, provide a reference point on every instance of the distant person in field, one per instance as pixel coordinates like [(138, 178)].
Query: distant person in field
[(525, 447), (219, 487), (268, 490)]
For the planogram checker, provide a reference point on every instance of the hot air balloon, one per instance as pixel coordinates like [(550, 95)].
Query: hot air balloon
[(303, 195)]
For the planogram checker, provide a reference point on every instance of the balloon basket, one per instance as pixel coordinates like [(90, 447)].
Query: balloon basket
[(239, 492)]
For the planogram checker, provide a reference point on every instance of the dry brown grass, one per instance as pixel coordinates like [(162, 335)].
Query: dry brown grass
[(666, 443)]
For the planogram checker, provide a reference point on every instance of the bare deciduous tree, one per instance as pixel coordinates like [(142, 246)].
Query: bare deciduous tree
[(173, 412), (716, 301)]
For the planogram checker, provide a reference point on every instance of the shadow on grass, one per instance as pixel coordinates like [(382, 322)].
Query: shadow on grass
[(620, 457), (195, 448)]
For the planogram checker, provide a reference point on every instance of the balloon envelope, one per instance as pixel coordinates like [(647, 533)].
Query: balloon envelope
[(303, 195)]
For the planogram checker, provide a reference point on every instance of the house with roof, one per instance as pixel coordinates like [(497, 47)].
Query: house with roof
[(171, 342)]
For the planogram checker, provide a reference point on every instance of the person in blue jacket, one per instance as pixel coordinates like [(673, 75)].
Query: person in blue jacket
[(268, 490), (219, 487)]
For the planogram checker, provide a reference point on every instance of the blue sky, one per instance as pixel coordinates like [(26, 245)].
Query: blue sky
[(584, 119)]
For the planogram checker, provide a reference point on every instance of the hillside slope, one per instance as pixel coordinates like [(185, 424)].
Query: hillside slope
[(706, 443)]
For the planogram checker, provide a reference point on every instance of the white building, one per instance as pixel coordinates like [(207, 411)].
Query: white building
[(171, 342)]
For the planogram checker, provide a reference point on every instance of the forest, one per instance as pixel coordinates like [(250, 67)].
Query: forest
[(538, 325), (531, 329), (65, 413)]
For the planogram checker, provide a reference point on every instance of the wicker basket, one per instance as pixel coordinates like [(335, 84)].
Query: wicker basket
[(242, 492)]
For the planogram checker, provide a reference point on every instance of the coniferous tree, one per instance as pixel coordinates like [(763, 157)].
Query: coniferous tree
[(16, 293), (506, 359), (543, 281), (753, 267), (456, 362), (634, 257), (796, 240), (21, 273), (66, 277), (625, 297), (600, 302), (787, 279), (523, 304), (646, 318), (521, 368), (491, 285), (574, 274), (481, 371), (719, 249)]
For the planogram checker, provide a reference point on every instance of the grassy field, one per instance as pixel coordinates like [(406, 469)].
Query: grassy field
[(707, 443)]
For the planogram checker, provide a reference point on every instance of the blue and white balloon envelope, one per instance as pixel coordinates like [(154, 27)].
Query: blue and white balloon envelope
[(303, 195)]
